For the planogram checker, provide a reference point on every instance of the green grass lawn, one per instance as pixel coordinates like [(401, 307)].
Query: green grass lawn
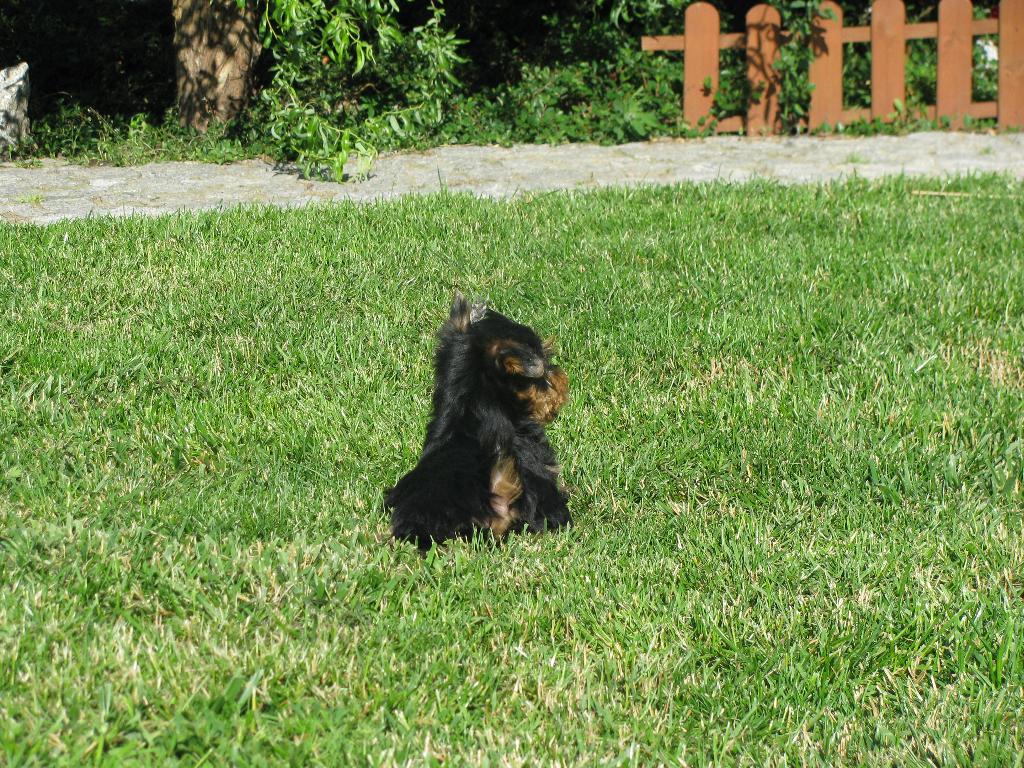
[(795, 444)]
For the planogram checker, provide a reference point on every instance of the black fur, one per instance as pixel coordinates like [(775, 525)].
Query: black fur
[(494, 389)]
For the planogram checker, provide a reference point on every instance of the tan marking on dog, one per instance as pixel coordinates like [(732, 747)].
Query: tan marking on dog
[(512, 365), (545, 403), (506, 488)]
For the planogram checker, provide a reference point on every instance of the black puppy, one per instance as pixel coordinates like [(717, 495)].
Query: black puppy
[(486, 462)]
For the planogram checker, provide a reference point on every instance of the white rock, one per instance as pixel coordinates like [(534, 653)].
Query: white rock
[(13, 105)]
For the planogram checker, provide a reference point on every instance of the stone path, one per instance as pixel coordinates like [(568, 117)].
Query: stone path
[(58, 191)]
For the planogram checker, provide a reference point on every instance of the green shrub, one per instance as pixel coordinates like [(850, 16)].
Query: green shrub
[(85, 134), (345, 76)]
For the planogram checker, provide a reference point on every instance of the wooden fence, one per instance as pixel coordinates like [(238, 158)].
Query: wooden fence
[(887, 34)]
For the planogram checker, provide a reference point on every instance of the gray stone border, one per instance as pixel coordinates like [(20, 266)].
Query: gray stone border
[(57, 190)]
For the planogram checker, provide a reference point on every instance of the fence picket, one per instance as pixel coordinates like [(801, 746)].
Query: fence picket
[(763, 25), (953, 86), (700, 61), (826, 73), (888, 49), (1011, 64)]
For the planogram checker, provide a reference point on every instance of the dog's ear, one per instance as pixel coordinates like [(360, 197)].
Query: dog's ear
[(460, 316)]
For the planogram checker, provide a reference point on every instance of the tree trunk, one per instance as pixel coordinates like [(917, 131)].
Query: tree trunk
[(216, 45)]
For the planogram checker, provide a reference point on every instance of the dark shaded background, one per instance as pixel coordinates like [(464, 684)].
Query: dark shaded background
[(115, 56)]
